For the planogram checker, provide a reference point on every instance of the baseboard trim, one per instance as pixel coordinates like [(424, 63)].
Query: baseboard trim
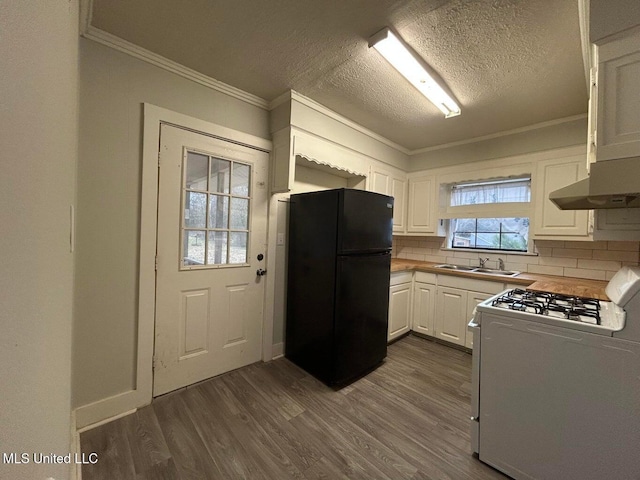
[(462, 348), (107, 410), (277, 350)]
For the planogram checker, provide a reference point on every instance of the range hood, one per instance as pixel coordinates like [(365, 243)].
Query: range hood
[(611, 184)]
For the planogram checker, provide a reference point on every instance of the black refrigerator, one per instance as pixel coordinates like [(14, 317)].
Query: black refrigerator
[(338, 282)]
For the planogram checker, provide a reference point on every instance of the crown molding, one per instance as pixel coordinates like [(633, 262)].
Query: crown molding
[(100, 36), (117, 43), (505, 133), (280, 99)]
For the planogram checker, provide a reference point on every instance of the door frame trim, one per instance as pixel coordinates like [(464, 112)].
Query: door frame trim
[(153, 117)]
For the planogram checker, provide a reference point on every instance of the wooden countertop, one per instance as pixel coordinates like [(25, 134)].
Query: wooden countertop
[(531, 281), (578, 287)]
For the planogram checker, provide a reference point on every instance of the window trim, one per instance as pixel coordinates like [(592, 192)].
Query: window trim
[(488, 210), (450, 238)]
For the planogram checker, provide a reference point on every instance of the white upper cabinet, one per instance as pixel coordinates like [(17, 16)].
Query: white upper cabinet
[(394, 184), (379, 181), (423, 206), (549, 220), (399, 193), (617, 102)]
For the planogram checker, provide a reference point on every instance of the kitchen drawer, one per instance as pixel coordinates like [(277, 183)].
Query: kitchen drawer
[(485, 286), (425, 277), (398, 278)]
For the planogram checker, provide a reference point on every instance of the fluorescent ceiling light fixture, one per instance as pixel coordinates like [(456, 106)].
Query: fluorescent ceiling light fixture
[(401, 58)]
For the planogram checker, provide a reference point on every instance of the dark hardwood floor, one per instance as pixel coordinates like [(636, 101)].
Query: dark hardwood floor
[(409, 419)]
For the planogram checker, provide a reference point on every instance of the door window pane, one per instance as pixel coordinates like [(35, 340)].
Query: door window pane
[(196, 172), (218, 211), (219, 179), (194, 247), (239, 214), (215, 218), (240, 180), (238, 247), (217, 253), (195, 212)]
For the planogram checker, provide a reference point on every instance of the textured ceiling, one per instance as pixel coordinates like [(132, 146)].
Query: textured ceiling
[(510, 63)]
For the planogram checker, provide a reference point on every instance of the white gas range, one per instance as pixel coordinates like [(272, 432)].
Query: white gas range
[(556, 383)]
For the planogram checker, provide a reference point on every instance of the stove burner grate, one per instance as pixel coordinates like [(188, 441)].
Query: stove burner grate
[(578, 309)]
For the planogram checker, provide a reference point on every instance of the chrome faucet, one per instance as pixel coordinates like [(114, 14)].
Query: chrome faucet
[(500, 264), (482, 261)]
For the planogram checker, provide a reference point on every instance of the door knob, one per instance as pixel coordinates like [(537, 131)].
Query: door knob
[(260, 272)]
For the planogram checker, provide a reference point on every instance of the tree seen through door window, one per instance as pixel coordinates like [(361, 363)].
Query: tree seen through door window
[(215, 224)]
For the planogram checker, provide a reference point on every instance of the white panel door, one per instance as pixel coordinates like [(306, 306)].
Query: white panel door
[(212, 212), (473, 299), (549, 219), (379, 181), (422, 205), (618, 112), (399, 310), (424, 304), (398, 188), (451, 312)]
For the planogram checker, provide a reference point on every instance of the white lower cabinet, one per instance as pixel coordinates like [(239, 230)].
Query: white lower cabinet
[(456, 298), (400, 304), (436, 305), (424, 303), (473, 299), (451, 309)]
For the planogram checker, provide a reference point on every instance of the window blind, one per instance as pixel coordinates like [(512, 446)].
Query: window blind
[(506, 191)]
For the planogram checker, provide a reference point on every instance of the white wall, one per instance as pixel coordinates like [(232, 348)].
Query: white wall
[(113, 87), (608, 17), (38, 134), (546, 137), (306, 117)]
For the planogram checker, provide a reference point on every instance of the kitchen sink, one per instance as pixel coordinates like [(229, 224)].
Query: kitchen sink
[(485, 271), (491, 271), (461, 268)]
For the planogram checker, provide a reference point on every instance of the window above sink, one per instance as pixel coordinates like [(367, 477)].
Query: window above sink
[(488, 215)]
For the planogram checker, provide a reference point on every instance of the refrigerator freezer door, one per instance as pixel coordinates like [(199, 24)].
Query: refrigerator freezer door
[(362, 309), (367, 222)]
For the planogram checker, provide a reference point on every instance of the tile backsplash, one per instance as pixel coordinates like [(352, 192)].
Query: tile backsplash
[(594, 260)]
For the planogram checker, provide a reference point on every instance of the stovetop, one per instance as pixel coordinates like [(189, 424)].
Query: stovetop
[(577, 309), (618, 318)]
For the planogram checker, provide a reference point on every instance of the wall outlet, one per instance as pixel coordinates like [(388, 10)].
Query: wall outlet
[(280, 239)]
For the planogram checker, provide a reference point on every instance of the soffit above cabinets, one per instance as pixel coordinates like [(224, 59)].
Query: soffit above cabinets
[(509, 63)]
